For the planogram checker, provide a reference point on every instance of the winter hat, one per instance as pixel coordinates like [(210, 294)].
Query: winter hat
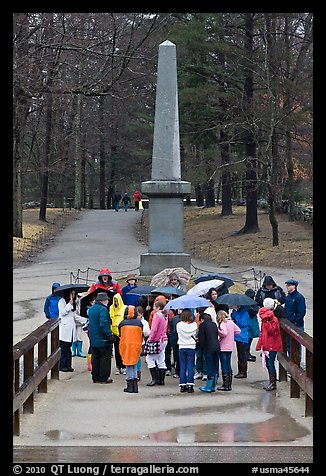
[(250, 293), (292, 281), (269, 303), (130, 312), (102, 297), (104, 272), (161, 298), (269, 280), (131, 276)]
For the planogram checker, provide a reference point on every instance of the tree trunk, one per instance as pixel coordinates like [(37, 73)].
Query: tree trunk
[(210, 194), (199, 195), (78, 156), (102, 154), (47, 155), (225, 179)]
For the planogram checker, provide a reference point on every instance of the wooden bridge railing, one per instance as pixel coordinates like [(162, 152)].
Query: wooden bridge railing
[(300, 379), (27, 378)]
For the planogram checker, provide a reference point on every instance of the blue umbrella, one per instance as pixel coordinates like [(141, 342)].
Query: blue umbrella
[(170, 291), (187, 301), (207, 277)]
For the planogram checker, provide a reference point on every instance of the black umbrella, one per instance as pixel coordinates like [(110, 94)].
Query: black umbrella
[(80, 288), (86, 300), (235, 299), (207, 277), (169, 291), (144, 290)]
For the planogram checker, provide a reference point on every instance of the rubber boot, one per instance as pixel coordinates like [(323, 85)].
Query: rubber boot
[(161, 376), (74, 349), (135, 384), (242, 373), (215, 379), (154, 374), (208, 387), (130, 386), (79, 349), (272, 383), (89, 362), (229, 381), (224, 386), (139, 374)]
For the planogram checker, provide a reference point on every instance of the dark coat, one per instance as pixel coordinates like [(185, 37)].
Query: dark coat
[(275, 293), (295, 308), (279, 312), (208, 336), (99, 325)]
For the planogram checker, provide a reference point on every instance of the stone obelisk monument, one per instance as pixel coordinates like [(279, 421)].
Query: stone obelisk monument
[(165, 190)]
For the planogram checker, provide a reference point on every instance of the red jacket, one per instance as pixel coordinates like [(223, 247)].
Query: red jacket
[(110, 286), (270, 333)]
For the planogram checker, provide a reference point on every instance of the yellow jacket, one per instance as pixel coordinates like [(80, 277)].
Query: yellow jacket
[(116, 311)]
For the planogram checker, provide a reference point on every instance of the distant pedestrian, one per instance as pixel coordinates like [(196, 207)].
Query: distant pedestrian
[(130, 299), (226, 330), (116, 200), (51, 309), (269, 289), (241, 318), (126, 200), (131, 336), (137, 199), (100, 339), (269, 342), (187, 333), (253, 326)]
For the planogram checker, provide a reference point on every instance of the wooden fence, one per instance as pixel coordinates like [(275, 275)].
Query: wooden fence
[(28, 377)]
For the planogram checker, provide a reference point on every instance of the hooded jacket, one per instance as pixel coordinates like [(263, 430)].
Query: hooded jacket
[(241, 318), (51, 309), (270, 335), (117, 312), (131, 337), (275, 293), (110, 286), (226, 332)]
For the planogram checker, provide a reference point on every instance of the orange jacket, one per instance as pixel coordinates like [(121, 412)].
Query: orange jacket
[(131, 338)]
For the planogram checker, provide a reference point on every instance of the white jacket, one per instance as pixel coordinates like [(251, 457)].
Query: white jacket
[(146, 328), (187, 332), (68, 320)]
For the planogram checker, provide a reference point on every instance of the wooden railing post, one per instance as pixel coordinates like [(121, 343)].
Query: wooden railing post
[(28, 406)]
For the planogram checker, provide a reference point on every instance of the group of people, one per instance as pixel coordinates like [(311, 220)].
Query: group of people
[(125, 200), (199, 341)]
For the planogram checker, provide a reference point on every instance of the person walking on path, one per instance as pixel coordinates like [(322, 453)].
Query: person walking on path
[(210, 345), (226, 330), (253, 325), (269, 289), (100, 339), (187, 333), (126, 200), (117, 312), (105, 282), (116, 200), (131, 337), (67, 327), (51, 309), (241, 318), (130, 299), (137, 199), (269, 342), (156, 362)]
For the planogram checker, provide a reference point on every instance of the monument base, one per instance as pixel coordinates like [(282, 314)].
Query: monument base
[(153, 263)]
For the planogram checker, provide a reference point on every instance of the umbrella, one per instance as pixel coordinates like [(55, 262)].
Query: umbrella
[(80, 288), (187, 301), (204, 286), (170, 291), (235, 299), (144, 290), (85, 300), (162, 278), (207, 277)]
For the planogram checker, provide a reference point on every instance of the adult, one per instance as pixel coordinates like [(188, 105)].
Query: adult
[(100, 335), (105, 282), (269, 289), (67, 327), (116, 200), (51, 309), (241, 318), (131, 337), (156, 362), (137, 199), (295, 307), (126, 200), (130, 299)]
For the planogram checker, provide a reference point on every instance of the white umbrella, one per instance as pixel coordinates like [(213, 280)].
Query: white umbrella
[(204, 286)]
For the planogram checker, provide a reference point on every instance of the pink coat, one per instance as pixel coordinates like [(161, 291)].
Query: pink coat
[(226, 333)]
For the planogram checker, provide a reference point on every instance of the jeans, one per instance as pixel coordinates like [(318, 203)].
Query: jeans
[(116, 206), (211, 359), (187, 366), (131, 372), (225, 359), (270, 362), (139, 364), (200, 362), (126, 207)]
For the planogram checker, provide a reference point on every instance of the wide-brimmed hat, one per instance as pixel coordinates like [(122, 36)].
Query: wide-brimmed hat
[(131, 276), (102, 297)]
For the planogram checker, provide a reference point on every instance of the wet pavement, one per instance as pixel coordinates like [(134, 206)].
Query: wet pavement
[(77, 414)]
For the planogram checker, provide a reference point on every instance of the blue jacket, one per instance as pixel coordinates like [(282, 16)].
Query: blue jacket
[(51, 309), (129, 299), (295, 308), (99, 325), (241, 318)]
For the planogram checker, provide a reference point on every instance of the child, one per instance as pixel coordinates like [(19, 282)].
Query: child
[(270, 342), (226, 330), (156, 362), (131, 336), (187, 331), (146, 332), (51, 309), (210, 346), (241, 317)]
